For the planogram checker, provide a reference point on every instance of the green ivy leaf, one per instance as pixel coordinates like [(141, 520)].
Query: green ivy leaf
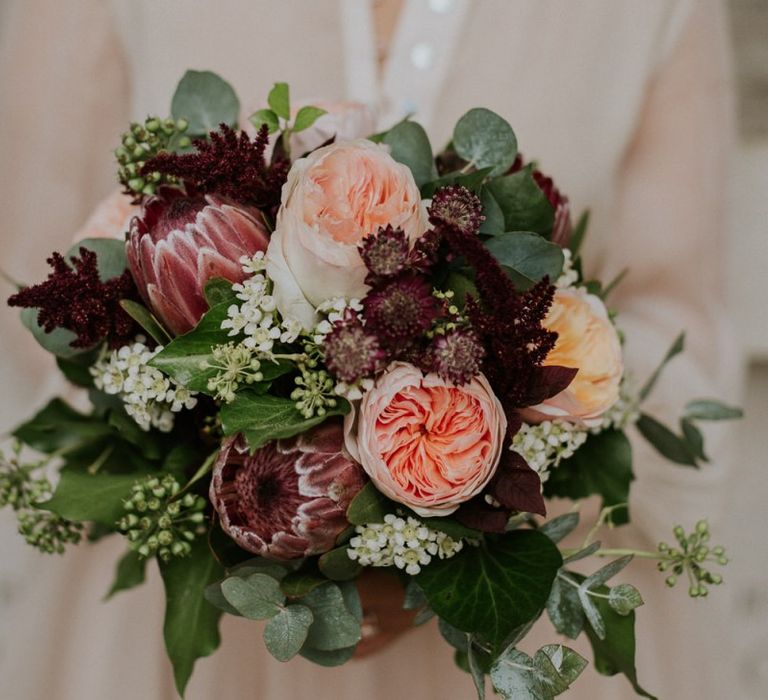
[(205, 100), (624, 598), (409, 144), (496, 587), (337, 565), (144, 317), (602, 466), (59, 427), (191, 626), (368, 506), (527, 257), (77, 368), (265, 116), (257, 597), (485, 139), (262, 418), (286, 632), (524, 205), (279, 100), (675, 349), (665, 442), (306, 117), (129, 574), (334, 626), (711, 409), (84, 497)]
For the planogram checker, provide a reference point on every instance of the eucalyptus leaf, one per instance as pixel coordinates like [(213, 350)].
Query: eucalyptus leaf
[(279, 100), (257, 597), (306, 117), (711, 409), (297, 584), (694, 439), (262, 417), (337, 565), (265, 116), (110, 255), (675, 349), (473, 181), (564, 607), (334, 626), (286, 632), (517, 676), (191, 626), (561, 526), (493, 588), (666, 443), (478, 677), (528, 255), (568, 663), (58, 341), (205, 100), (130, 573), (587, 551), (484, 139), (494, 216), (524, 205), (409, 144), (624, 598), (592, 613), (607, 572), (335, 657)]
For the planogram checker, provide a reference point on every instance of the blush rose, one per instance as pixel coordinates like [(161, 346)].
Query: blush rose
[(426, 443)]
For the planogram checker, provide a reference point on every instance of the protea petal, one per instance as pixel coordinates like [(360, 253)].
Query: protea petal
[(180, 242), (288, 499)]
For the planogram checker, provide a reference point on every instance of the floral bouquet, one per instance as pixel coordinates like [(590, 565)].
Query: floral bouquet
[(309, 354)]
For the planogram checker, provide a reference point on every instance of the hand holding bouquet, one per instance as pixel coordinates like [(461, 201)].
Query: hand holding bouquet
[(306, 365)]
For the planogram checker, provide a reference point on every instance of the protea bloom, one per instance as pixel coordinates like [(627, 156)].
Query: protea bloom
[(290, 497), (182, 240)]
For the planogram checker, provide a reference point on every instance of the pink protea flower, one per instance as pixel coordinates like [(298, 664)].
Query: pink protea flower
[(289, 498), (182, 240)]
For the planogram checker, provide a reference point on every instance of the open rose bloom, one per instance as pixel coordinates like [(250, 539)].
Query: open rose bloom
[(308, 360)]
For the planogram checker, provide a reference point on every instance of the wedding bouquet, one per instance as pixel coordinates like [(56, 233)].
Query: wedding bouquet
[(309, 354)]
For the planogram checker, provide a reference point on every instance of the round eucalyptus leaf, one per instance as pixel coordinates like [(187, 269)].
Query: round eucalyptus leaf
[(485, 139)]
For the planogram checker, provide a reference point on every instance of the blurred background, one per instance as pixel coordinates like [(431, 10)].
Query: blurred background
[(748, 273)]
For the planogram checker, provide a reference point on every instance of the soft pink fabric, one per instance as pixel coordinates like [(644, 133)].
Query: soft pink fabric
[(111, 218), (426, 443)]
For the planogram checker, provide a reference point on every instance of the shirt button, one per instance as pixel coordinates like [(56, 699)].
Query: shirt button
[(422, 56)]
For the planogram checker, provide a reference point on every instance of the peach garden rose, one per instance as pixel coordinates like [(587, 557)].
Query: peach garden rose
[(587, 340), (333, 199), (426, 443)]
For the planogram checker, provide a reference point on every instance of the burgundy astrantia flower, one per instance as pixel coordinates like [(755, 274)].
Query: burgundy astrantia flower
[(352, 353), (75, 298), (384, 253), (456, 356), (180, 242), (401, 311), (455, 206), (561, 229), (229, 164), (289, 498)]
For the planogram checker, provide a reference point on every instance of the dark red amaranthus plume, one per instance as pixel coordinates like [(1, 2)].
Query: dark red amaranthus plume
[(508, 323), (73, 297), (230, 164)]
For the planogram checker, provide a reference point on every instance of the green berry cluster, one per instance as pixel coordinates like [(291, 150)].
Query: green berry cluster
[(314, 393), (142, 142), (160, 520), (690, 557), (22, 490)]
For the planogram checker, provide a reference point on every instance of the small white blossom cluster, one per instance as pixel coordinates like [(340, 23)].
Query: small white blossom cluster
[(149, 396), (333, 310), (545, 445), (402, 542), (257, 317), (569, 276), (626, 410)]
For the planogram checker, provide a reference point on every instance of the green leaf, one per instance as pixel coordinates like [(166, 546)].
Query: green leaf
[(129, 574), (219, 290), (578, 234), (587, 551), (286, 632), (478, 677), (711, 409), (568, 663), (517, 676), (607, 572), (561, 526), (143, 316), (257, 597), (337, 565), (298, 583), (564, 608), (494, 216), (279, 100), (675, 349), (306, 117), (205, 100), (665, 442), (261, 418), (485, 139), (265, 116), (368, 506), (409, 144), (110, 255), (452, 528), (527, 255), (493, 588), (336, 657), (191, 627), (616, 653), (694, 439), (334, 626), (524, 205), (85, 497), (602, 466), (58, 341), (472, 181), (624, 598), (59, 427)]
